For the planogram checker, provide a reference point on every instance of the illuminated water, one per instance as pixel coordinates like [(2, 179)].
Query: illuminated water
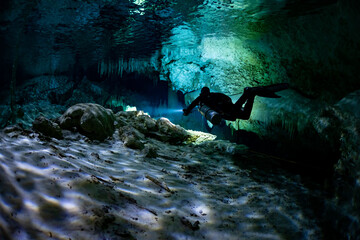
[(75, 189), (107, 30)]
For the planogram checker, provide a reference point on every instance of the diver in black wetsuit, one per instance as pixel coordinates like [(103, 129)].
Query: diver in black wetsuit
[(217, 106)]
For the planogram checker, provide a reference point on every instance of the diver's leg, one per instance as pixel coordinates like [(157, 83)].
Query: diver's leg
[(276, 87), (269, 91), (246, 110), (246, 95)]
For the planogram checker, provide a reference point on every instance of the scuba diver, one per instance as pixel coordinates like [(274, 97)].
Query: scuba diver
[(217, 106)]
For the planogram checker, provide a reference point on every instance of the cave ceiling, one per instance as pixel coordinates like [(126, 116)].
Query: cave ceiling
[(136, 28)]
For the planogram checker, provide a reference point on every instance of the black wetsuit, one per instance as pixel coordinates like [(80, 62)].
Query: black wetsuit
[(222, 104)]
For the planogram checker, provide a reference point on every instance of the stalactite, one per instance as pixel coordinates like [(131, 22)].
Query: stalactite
[(125, 66), (26, 12), (13, 86), (118, 67)]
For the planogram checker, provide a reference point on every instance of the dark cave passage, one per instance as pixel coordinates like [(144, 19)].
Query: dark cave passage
[(93, 130)]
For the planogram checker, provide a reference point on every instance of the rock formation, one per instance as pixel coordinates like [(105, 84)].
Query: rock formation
[(92, 120)]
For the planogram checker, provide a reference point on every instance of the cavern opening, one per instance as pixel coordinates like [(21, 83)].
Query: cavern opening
[(98, 139)]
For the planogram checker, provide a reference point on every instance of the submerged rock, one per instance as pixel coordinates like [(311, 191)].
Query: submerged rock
[(150, 151), (161, 129), (47, 127), (339, 126), (91, 120), (221, 146), (17, 130), (169, 132), (145, 123), (197, 137), (131, 137)]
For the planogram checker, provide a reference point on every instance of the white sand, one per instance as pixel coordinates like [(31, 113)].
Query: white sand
[(74, 189)]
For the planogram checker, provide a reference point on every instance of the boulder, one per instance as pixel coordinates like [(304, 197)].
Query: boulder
[(169, 132), (138, 119), (145, 124), (150, 151), (90, 119), (47, 127), (161, 129), (131, 137)]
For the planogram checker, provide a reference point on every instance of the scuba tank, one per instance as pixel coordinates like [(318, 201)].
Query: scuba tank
[(211, 115)]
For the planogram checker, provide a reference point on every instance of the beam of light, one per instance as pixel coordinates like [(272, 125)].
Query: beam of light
[(166, 111), (178, 110)]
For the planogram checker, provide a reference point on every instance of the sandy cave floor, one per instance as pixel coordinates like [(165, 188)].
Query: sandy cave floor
[(78, 189)]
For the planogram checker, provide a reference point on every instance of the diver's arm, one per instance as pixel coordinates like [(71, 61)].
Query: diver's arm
[(191, 106)]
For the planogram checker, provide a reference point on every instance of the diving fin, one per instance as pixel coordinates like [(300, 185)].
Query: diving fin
[(277, 87), (269, 91)]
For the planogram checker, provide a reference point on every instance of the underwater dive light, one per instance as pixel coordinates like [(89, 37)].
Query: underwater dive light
[(178, 110), (211, 115)]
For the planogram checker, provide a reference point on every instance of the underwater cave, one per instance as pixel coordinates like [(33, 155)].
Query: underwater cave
[(97, 140)]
